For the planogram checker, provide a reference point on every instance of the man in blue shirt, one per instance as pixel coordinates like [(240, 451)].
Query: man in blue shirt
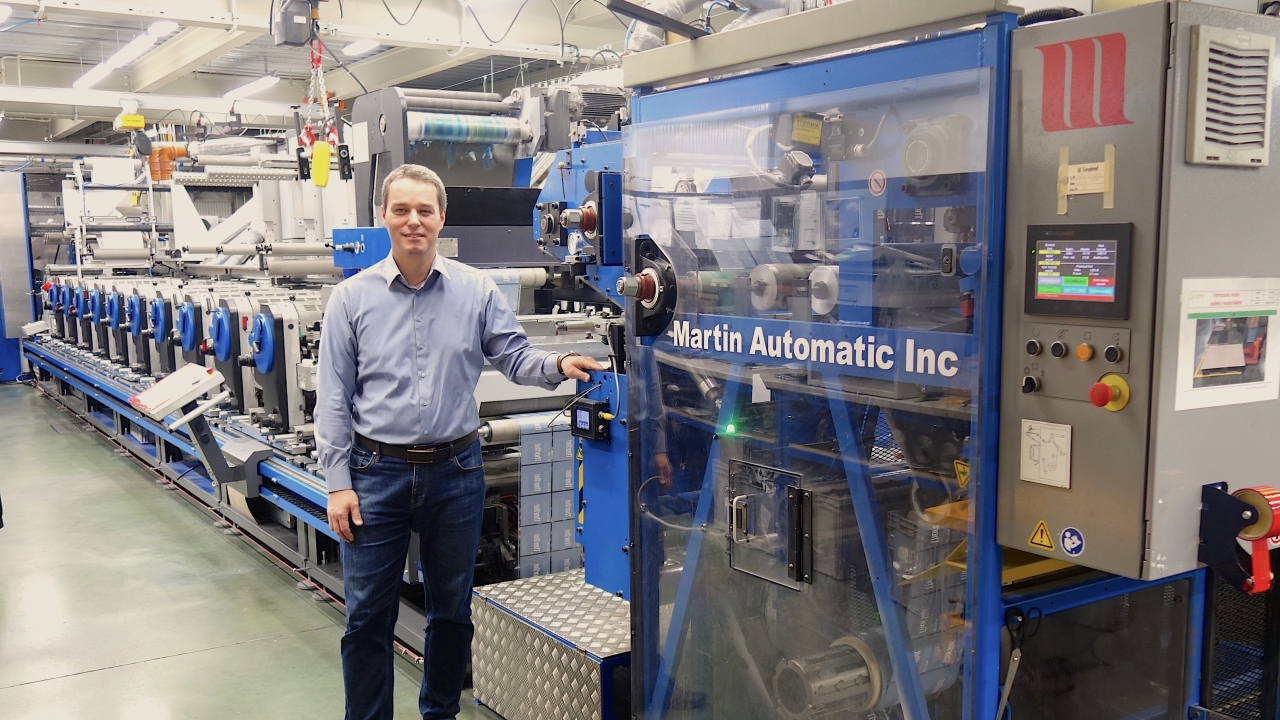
[(402, 349)]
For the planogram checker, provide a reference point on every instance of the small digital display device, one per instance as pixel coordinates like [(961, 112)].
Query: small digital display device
[(590, 419), (1079, 270)]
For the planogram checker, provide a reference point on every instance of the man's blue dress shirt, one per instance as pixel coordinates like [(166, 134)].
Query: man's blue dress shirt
[(400, 364)]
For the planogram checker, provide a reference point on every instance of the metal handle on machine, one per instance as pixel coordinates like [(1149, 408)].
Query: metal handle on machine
[(1015, 659), (200, 410), (738, 519)]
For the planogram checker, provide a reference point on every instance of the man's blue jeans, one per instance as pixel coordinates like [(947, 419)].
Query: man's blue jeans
[(443, 503)]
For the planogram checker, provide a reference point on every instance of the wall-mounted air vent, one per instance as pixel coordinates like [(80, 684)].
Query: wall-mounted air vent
[(1229, 97)]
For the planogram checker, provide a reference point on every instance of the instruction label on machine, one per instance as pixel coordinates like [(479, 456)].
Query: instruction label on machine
[(1046, 453), (1087, 178), (1223, 358)]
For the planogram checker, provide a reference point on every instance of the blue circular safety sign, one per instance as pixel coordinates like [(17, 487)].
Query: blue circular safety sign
[(1072, 542)]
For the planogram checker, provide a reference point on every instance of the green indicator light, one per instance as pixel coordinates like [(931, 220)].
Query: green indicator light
[(730, 428)]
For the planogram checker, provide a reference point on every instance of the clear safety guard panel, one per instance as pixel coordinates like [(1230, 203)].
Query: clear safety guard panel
[(766, 530), (808, 411)]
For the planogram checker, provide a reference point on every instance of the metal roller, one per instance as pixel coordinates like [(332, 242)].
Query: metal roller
[(500, 431), (824, 289), (465, 128), (120, 253), (450, 94), (525, 277), (851, 677), (840, 681), (772, 284), (297, 249), (466, 107), (302, 267)]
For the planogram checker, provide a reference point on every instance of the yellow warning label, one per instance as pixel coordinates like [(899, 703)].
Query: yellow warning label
[(1040, 537), (962, 473), (581, 484), (806, 130)]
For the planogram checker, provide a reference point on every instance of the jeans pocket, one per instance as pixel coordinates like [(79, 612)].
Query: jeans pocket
[(359, 459), (469, 457)]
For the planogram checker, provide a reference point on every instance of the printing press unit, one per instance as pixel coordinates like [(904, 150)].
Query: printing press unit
[(922, 330), (887, 316), (243, 292)]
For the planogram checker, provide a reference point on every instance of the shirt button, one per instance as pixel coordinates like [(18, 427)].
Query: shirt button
[(418, 319), (424, 403), (422, 374), (419, 346)]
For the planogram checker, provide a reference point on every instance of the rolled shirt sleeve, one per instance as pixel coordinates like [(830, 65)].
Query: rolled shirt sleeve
[(507, 347), (335, 388)]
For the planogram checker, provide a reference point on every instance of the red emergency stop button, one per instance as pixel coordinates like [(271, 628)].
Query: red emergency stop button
[(1110, 392), (1101, 394)]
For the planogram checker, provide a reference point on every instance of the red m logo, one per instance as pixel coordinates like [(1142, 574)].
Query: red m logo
[(1083, 83)]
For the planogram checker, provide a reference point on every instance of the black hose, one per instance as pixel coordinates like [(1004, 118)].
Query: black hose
[(1047, 15)]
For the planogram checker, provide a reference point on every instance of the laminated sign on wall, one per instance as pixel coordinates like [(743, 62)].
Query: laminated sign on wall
[(1223, 357)]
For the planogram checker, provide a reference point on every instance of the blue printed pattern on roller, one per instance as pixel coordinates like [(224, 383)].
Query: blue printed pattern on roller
[(481, 129)]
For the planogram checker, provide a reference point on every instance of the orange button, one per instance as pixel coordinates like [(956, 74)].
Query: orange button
[(1084, 351)]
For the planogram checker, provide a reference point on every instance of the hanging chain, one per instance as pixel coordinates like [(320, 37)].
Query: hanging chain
[(319, 116)]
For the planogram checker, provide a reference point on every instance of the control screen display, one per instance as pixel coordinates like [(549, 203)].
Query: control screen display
[(582, 419), (1076, 270)]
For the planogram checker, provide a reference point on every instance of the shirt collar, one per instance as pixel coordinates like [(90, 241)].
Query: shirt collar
[(390, 271)]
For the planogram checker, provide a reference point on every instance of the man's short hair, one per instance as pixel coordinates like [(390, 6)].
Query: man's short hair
[(420, 173)]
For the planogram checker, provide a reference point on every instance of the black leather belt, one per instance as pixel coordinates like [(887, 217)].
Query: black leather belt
[(419, 454)]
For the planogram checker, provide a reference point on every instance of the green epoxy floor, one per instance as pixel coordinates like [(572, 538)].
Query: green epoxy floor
[(119, 599)]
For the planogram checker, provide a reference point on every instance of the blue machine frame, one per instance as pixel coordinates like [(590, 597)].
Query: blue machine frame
[(698, 107)]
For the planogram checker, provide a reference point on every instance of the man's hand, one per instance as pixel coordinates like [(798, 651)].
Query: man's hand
[(663, 464), (344, 513), (576, 366)]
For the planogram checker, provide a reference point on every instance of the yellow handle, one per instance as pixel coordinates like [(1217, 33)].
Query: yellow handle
[(320, 153)]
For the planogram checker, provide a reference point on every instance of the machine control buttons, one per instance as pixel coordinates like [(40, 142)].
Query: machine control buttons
[(1058, 349), (1030, 384), (1111, 392), (1034, 347), (1084, 351), (1113, 354)]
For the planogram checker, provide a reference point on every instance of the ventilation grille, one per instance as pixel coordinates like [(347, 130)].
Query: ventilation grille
[(600, 104), (1229, 97), (1236, 102)]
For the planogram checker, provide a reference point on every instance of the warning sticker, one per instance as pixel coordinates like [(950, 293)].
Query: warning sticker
[(1040, 537), (962, 473), (877, 183), (806, 130)]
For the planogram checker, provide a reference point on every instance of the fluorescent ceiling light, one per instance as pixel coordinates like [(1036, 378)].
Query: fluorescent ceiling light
[(5, 11), (360, 47), (252, 88), (126, 55), (95, 75), (162, 28)]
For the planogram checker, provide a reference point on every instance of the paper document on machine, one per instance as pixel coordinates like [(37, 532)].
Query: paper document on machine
[(1222, 342)]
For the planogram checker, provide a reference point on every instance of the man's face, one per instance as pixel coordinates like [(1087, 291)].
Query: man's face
[(412, 217)]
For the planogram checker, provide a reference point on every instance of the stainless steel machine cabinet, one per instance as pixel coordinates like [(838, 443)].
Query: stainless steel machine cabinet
[(814, 306), (1142, 280)]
